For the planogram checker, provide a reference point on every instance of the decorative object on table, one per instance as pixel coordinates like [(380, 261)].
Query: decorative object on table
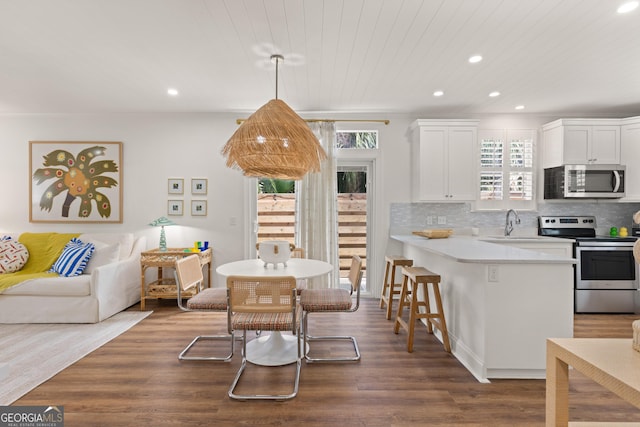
[(442, 233), (274, 142), (198, 186), (75, 182), (161, 222), (199, 208), (175, 207), (275, 252), (613, 232), (176, 186), (200, 246)]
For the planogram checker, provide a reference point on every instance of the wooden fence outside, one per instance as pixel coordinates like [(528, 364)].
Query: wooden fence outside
[(276, 221)]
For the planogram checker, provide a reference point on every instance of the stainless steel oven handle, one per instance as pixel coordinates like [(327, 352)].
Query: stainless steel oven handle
[(612, 246)]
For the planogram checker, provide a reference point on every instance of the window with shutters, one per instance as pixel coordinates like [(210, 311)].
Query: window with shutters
[(357, 139), (506, 169)]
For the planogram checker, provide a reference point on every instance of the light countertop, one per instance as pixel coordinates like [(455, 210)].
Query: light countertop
[(476, 250)]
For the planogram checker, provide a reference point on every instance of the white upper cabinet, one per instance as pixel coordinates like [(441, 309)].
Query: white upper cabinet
[(581, 141), (444, 160), (630, 155)]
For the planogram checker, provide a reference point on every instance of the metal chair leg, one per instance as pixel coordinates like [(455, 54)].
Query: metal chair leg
[(291, 395), (227, 358), (308, 338)]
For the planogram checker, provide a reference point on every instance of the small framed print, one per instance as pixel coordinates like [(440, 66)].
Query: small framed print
[(199, 208), (198, 185), (175, 207), (176, 186)]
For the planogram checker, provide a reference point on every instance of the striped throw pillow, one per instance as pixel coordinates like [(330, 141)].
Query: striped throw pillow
[(74, 258)]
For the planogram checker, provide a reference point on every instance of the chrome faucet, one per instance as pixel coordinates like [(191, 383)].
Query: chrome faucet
[(508, 225)]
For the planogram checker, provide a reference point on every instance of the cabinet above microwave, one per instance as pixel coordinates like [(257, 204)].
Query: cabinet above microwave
[(581, 141)]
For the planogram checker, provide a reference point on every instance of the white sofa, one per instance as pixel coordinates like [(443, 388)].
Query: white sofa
[(109, 285)]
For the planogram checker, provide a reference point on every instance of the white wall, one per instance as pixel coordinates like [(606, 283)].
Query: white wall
[(155, 147), (159, 146)]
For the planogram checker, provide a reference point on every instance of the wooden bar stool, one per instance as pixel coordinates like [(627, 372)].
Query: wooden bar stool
[(389, 283), (412, 277)]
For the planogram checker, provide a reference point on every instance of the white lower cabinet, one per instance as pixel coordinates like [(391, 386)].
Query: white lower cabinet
[(561, 247), (444, 160)]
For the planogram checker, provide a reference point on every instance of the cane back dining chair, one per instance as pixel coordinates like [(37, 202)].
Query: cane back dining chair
[(189, 277), (263, 304), (301, 284), (332, 300)]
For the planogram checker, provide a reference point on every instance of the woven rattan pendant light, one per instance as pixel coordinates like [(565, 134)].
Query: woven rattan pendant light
[(274, 142)]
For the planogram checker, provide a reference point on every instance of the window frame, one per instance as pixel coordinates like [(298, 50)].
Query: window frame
[(506, 135), (353, 131)]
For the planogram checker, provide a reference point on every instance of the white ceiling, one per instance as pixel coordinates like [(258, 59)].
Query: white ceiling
[(562, 57)]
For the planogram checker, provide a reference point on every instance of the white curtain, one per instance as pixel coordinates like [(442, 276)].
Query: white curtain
[(317, 210)]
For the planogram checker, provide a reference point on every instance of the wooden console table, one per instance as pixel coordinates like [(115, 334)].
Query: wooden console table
[(165, 287), (611, 362)]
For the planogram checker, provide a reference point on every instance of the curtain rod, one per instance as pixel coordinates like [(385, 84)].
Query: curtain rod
[(386, 122)]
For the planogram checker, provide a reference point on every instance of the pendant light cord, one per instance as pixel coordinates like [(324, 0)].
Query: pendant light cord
[(277, 58)]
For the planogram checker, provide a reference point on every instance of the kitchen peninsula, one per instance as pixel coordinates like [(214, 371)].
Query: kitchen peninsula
[(501, 302)]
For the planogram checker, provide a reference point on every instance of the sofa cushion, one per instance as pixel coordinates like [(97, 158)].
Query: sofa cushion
[(103, 255), (44, 250), (13, 256), (77, 286), (74, 258), (124, 239)]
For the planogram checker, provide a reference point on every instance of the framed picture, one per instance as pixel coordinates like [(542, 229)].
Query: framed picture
[(75, 182), (198, 185), (199, 208), (176, 186), (175, 207)]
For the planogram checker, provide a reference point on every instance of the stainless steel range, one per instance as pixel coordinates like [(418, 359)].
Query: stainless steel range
[(606, 274)]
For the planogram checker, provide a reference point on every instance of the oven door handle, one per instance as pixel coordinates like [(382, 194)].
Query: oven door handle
[(616, 176)]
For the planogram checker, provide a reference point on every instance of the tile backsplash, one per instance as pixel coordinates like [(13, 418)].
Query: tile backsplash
[(407, 217)]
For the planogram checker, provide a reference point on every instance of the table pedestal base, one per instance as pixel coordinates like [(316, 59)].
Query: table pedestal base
[(274, 349)]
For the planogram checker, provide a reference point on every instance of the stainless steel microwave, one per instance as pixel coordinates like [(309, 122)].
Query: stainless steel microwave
[(584, 181)]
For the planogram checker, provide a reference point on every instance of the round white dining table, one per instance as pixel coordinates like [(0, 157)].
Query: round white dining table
[(275, 349)]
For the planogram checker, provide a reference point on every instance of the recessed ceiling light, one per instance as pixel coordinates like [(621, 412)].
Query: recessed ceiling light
[(627, 7), (438, 93), (475, 58), (172, 92), (494, 94), (519, 107)]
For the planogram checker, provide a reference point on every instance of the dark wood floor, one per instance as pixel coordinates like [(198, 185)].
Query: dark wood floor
[(137, 380)]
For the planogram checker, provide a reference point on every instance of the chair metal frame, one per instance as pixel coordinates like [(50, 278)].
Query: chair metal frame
[(188, 275), (258, 303), (355, 279)]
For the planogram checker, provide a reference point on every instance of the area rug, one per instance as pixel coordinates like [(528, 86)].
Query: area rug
[(27, 359)]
